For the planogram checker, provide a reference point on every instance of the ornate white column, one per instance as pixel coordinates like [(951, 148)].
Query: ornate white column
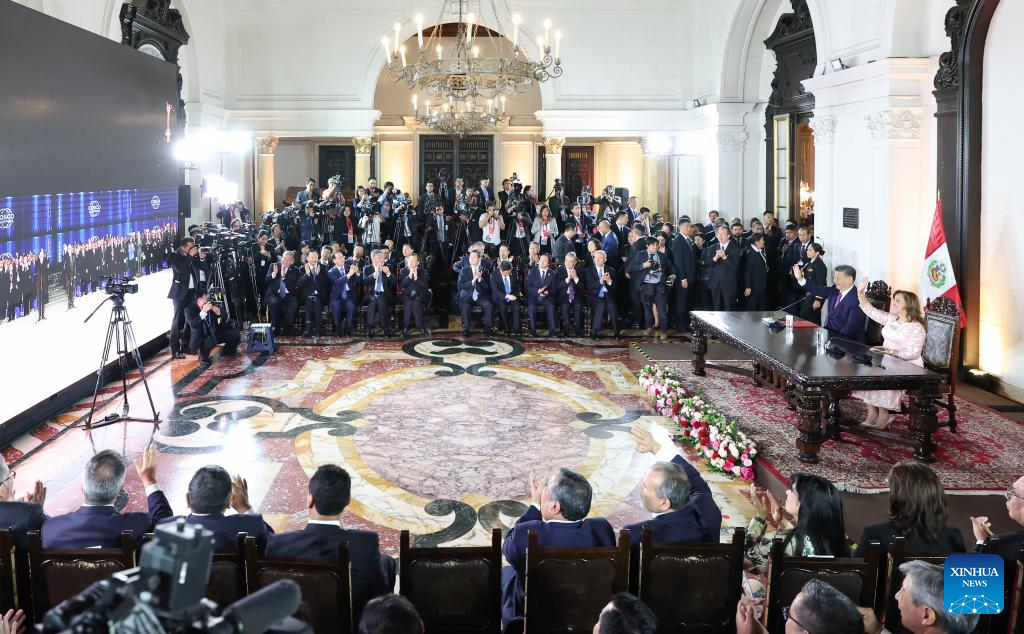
[(731, 142), (649, 195), (552, 161), (363, 146), (265, 147)]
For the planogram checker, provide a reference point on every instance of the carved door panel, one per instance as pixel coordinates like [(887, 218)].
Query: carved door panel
[(577, 169)]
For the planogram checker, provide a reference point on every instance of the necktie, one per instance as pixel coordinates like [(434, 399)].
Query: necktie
[(476, 295), (282, 289), (600, 280), (839, 296), (344, 278), (379, 288), (440, 227), (572, 290), (508, 287)]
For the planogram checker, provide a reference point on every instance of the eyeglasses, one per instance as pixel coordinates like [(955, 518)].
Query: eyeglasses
[(10, 477), (786, 616), (1009, 493)]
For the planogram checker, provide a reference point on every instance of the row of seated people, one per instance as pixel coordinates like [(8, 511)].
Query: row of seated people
[(810, 521)]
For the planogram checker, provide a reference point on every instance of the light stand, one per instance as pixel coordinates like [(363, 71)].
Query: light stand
[(120, 327)]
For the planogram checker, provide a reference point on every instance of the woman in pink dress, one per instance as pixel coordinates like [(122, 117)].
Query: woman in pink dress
[(903, 335)]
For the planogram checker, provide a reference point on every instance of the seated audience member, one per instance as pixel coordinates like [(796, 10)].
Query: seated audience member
[(920, 600), (506, 292), (626, 614), (557, 515), (475, 290), (210, 328), (344, 294), (845, 317), (917, 512), (210, 492), (20, 516), (568, 289), (674, 491), (390, 614), (814, 526), (330, 489), (817, 609), (1010, 544), (539, 282), (903, 336), (97, 524)]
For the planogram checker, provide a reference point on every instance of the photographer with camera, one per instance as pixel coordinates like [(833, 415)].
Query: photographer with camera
[(610, 204), (282, 293), (491, 225), (263, 257), (209, 328), (371, 224), (429, 200), (188, 279), (655, 273), (558, 202), (406, 221), (314, 288), (309, 195)]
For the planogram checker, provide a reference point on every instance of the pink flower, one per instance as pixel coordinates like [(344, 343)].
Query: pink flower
[(716, 444), (729, 464)]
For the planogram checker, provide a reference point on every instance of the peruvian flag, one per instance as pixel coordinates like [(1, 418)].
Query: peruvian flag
[(937, 277)]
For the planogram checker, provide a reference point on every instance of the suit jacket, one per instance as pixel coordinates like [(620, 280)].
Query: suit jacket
[(291, 282), (101, 526), (420, 287), (21, 517), (320, 541), (370, 284), (847, 319), (466, 284), (560, 289), (684, 259), (183, 267), (1010, 545), (594, 283), (723, 273), (698, 521), (225, 528), (498, 286), (562, 247), (588, 533), (755, 270), (610, 245), (950, 541), (536, 281), (340, 281), (637, 271), (319, 283)]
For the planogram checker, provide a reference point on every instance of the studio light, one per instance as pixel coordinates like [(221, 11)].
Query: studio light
[(837, 64)]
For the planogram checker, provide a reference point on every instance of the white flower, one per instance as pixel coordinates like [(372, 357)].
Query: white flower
[(733, 451), (722, 452)]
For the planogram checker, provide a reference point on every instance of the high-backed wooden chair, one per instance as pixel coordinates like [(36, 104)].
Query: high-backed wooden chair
[(455, 590), (942, 348), (227, 573), (566, 588), (692, 588), (61, 574), (892, 580), (8, 568), (326, 586), (1016, 605), (856, 578), (880, 296)]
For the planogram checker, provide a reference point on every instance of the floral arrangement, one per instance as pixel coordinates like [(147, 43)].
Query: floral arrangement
[(718, 440)]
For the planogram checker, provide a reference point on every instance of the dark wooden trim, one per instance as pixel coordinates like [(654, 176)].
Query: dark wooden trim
[(154, 22)]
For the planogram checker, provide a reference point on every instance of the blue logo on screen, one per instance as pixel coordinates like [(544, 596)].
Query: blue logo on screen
[(973, 584)]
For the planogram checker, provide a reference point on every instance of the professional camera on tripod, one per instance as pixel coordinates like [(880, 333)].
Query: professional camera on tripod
[(228, 254), (166, 594)]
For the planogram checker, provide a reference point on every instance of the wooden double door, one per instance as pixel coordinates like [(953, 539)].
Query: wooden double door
[(445, 158)]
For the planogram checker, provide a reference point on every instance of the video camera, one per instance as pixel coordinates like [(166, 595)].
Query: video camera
[(166, 594), (585, 197), (119, 286)]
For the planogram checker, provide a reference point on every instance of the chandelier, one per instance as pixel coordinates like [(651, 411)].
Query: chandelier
[(469, 91)]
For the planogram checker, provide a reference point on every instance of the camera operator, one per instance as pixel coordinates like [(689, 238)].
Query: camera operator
[(371, 226), (371, 188), (458, 192), (503, 195), (491, 225), (315, 289), (307, 227), (656, 274), (263, 257), (429, 200), (188, 279), (609, 204), (210, 328), (333, 196), (463, 235), (406, 219), (438, 232), (282, 293), (229, 213), (519, 233), (558, 202), (309, 195)]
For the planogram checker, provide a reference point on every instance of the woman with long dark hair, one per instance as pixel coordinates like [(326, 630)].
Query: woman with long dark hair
[(811, 521), (917, 512)]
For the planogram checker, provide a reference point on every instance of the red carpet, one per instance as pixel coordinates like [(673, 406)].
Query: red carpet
[(984, 454)]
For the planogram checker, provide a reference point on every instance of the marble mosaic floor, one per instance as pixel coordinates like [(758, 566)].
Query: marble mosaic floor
[(439, 435)]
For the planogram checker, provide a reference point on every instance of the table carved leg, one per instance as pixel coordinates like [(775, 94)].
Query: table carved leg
[(808, 443), (833, 416), (923, 423), (758, 374), (699, 348)]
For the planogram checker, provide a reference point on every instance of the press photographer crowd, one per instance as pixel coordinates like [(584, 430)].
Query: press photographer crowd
[(384, 263)]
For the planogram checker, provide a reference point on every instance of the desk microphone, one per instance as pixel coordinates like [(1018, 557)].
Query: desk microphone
[(772, 320)]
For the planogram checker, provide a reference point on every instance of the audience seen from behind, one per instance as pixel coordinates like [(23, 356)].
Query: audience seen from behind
[(811, 521), (626, 614), (390, 614), (817, 609), (1010, 544), (920, 600), (917, 512), (22, 515)]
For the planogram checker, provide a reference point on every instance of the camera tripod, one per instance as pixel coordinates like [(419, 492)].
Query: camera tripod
[(120, 328)]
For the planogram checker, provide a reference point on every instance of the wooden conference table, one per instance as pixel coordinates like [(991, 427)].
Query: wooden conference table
[(791, 360)]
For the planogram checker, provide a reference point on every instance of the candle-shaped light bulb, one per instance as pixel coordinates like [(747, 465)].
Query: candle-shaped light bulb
[(469, 29), (490, 105), (503, 104), (401, 50), (419, 30), (385, 42), (558, 44), (476, 52), (440, 49), (516, 19), (540, 45), (415, 109), (547, 28), (398, 36)]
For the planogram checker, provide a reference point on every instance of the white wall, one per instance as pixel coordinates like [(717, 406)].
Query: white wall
[(1001, 252)]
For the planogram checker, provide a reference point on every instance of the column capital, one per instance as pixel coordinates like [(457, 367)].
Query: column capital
[(267, 144), (553, 144), (824, 127), (363, 144), (895, 123), (731, 140)]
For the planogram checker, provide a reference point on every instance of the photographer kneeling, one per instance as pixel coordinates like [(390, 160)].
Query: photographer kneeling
[(209, 329)]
